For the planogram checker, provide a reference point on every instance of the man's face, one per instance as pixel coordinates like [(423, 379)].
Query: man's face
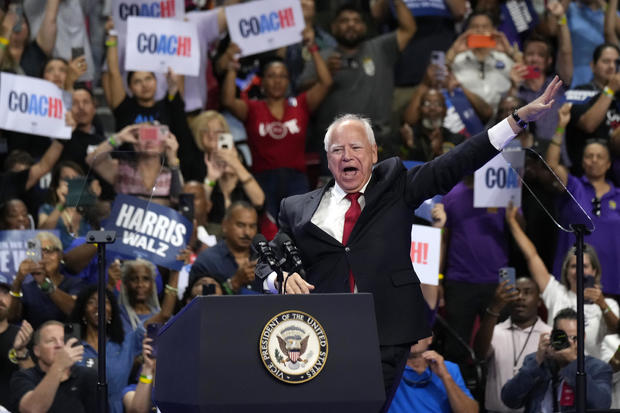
[(350, 156), (5, 301), (240, 227), (526, 306), (570, 328), (83, 108), (52, 340), (433, 109), (17, 215), (537, 54), (349, 28), (143, 85), (481, 24), (308, 9), (605, 67)]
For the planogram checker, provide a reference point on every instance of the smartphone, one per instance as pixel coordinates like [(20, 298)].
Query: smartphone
[(225, 141), (508, 274), (18, 9), (149, 133), (532, 73), (73, 330), (438, 57), (76, 52), (186, 206), (478, 41), (151, 332), (79, 193), (34, 249)]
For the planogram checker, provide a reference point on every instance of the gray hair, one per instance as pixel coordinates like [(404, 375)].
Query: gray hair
[(124, 301), (349, 117), (53, 239)]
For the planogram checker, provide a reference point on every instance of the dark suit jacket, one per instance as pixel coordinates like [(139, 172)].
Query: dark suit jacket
[(378, 250)]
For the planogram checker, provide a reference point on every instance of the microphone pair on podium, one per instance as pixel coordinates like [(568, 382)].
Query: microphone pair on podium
[(278, 255)]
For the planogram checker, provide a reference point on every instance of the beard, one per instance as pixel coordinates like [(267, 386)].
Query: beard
[(349, 42), (432, 124)]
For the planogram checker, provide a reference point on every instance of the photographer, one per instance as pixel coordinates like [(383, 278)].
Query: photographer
[(546, 380)]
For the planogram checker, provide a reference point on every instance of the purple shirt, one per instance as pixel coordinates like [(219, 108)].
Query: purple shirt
[(478, 243), (605, 239)]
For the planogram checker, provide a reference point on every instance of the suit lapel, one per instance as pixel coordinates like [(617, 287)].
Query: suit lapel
[(309, 209)]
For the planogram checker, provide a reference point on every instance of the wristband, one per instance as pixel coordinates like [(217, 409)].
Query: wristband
[(146, 379), (60, 207), (562, 21), (171, 288), (209, 182), (552, 142), (171, 97), (520, 122), (313, 48), (606, 310), (494, 314), (112, 141), (111, 43), (560, 130), (227, 286), (607, 91), (440, 276), (4, 41), (175, 163), (16, 294)]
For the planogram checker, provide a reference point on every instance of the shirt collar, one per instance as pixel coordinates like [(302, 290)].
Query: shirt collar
[(339, 194)]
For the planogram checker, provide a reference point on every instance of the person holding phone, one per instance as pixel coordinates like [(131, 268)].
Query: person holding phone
[(121, 346), (138, 398), (278, 124), (141, 173), (481, 59), (223, 171), (601, 316)]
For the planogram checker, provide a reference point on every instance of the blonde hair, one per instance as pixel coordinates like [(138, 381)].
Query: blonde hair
[(594, 261), (199, 124)]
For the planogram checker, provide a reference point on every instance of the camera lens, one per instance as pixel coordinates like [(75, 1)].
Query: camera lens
[(559, 339)]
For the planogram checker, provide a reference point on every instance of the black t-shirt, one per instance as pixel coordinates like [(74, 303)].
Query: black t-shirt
[(13, 184), (77, 394), (219, 205), (576, 138), (130, 112), (33, 60), (6, 367), (76, 149)]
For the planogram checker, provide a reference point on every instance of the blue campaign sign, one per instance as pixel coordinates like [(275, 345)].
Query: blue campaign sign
[(13, 247), (150, 231)]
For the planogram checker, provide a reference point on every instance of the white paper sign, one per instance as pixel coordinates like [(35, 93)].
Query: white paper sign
[(259, 26), (123, 9), (32, 105), (425, 249), (155, 44), (496, 183)]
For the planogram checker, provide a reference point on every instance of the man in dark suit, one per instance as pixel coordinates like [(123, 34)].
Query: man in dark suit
[(374, 256)]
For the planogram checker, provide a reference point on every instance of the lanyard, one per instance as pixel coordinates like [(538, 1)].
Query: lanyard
[(515, 357)]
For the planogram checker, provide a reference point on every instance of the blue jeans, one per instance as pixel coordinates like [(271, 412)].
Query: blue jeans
[(279, 184)]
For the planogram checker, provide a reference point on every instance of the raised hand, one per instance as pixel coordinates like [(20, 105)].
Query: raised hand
[(539, 106)]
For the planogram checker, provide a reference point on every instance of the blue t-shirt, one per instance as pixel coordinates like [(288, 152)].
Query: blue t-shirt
[(65, 237), (428, 394), (38, 307), (119, 361)]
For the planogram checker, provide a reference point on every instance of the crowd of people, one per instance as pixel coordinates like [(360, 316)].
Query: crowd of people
[(247, 133)]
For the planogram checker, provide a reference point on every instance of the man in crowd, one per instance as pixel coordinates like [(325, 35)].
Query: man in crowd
[(546, 381), (362, 70), (55, 384), (341, 252), (431, 384), (229, 260), (506, 344)]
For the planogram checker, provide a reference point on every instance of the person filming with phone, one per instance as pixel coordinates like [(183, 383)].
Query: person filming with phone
[(55, 384), (546, 381)]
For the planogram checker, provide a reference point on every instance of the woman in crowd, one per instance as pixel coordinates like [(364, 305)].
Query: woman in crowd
[(121, 348), (140, 174), (138, 300), (597, 195), (14, 215), (55, 214), (49, 295), (138, 398), (277, 125), (225, 176), (601, 314), (62, 73)]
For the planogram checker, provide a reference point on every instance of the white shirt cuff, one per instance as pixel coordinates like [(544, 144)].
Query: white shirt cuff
[(269, 283), (501, 134)]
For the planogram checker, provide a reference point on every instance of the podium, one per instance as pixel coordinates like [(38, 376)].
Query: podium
[(213, 356)]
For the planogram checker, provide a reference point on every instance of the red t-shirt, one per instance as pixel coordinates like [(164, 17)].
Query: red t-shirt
[(278, 143)]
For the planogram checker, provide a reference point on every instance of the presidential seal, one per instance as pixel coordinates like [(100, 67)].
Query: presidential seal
[(293, 347)]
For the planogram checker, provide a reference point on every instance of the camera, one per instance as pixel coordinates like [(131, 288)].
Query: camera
[(559, 339)]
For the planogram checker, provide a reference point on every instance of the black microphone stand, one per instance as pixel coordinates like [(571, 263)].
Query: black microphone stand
[(580, 399), (100, 239)]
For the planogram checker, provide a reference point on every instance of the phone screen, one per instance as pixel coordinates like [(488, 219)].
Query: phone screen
[(478, 41), (151, 332), (532, 73), (34, 250), (225, 141)]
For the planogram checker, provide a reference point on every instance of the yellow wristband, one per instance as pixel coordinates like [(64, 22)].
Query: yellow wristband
[(111, 43), (16, 295), (607, 90), (4, 41), (440, 276), (562, 21), (146, 379)]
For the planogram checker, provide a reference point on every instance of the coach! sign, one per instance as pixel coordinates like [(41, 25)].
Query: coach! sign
[(156, 44), (32, 105), (259, 26)]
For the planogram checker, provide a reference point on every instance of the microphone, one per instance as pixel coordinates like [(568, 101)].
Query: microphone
[(267, 261), (289, 249)]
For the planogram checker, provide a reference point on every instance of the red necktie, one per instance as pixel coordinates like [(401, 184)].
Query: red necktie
[(350, 218)]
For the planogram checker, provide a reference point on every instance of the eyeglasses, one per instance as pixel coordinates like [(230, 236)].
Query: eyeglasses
[(49, 250), (596, 206), (424, 380)]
